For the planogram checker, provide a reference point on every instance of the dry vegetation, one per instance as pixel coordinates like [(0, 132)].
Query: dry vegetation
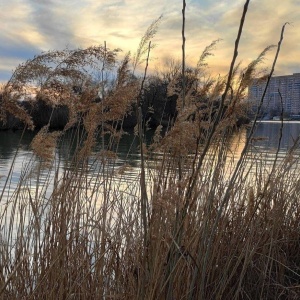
[(200, 222)]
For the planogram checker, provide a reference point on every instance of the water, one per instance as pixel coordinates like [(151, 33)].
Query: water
[(26, 185), (16, 151), (270, 131)]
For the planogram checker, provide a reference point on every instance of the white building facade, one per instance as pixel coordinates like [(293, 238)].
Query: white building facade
[(287, 86)]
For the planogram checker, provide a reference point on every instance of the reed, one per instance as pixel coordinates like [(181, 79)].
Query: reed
[(204, 221)]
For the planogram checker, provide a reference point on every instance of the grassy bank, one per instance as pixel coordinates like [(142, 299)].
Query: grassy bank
[(198, 223)]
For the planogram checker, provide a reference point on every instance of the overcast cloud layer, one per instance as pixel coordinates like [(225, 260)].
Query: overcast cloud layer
[(29, 27)]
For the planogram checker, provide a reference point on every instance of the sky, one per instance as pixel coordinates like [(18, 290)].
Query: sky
[(29, 27)]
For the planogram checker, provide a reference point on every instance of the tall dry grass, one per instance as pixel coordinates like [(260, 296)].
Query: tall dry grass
[(204, 220)]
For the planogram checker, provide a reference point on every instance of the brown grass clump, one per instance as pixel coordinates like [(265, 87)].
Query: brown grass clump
[(208, 218), (44, 144)]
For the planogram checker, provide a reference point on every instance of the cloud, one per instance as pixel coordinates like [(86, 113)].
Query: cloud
[(32, 26)]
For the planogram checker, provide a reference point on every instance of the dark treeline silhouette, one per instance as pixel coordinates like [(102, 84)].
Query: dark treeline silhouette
[(159, 107)]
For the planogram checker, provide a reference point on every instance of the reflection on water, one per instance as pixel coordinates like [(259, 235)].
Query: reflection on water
[(273, 140), (15, 151), (270, 132), (19, 165)]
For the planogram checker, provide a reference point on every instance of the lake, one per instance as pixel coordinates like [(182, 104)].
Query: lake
[(16, 155)]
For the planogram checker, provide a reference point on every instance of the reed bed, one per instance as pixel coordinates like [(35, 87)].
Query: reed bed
[(208, 218), (84, 239)]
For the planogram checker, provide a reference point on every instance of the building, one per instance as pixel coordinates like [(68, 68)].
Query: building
[(282, 92)]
